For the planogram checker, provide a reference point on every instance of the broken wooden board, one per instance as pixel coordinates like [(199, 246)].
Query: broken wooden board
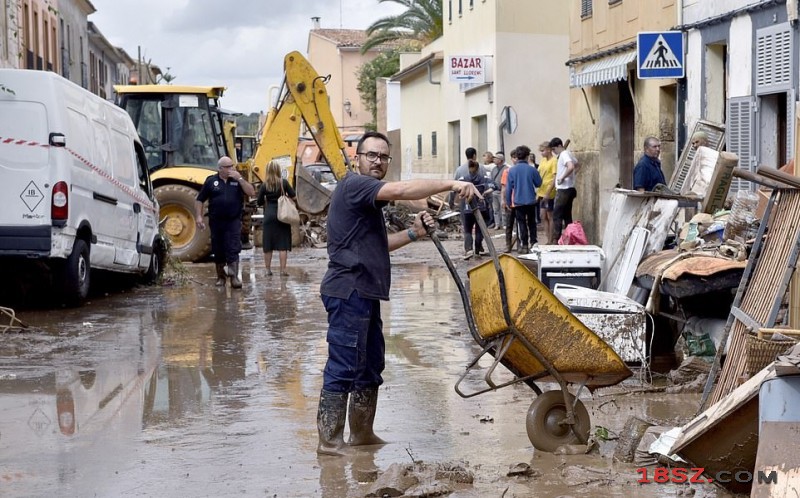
[(724, 438), (627, 210)]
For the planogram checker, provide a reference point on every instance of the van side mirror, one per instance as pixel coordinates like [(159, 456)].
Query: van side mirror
[(57, 140)]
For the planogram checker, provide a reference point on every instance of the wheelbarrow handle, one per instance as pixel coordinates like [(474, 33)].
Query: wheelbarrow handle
[(462, 291)]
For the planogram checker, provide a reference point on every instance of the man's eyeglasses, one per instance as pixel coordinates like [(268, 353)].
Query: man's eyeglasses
[(227, 166), (374, 156)]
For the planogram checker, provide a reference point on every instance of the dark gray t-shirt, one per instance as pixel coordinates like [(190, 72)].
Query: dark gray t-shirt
[(358, 247)]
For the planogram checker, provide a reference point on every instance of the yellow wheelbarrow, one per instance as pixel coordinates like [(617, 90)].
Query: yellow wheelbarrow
[(515, 318)]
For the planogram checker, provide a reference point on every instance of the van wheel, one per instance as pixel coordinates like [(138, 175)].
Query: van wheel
[(157, 261), (76, 274), (177, 213)]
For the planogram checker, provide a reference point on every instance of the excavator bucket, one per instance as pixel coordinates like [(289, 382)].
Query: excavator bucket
[(312, 197)]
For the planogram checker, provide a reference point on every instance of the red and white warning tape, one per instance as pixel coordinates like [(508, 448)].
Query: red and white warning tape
[(144, 201)]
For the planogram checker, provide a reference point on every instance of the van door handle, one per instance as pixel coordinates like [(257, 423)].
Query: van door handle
[(137, 208)]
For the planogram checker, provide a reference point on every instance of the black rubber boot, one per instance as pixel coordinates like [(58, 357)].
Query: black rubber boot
[(221, 276), (330, 423), (233, 271), (363, 405)]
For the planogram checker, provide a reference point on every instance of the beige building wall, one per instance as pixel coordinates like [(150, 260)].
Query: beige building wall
[(611, 121), (37, 26), (9, 46), (531, 67), (471, 33), (342, 63), (351, 62), (423, 116), (523, 40)]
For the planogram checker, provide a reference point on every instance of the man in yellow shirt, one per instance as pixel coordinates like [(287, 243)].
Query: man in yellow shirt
[(546, 193)]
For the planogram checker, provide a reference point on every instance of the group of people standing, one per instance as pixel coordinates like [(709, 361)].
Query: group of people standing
[(520, 194)]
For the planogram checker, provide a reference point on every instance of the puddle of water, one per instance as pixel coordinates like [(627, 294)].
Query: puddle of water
[(204, 391)]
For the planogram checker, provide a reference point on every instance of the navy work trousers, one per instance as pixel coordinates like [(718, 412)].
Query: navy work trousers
[(226, 240), (356, 346), (526, 224)]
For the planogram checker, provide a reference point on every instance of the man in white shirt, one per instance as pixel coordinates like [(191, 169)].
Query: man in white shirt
[(565, 187)]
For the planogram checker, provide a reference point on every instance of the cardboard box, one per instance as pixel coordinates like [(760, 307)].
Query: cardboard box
[(720, 184)]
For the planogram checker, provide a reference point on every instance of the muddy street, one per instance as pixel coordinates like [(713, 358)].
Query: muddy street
[(195, 390)]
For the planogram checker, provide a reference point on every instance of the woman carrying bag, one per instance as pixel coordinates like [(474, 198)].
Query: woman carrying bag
[(277, 235)]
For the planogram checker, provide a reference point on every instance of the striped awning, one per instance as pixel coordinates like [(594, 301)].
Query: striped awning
[(602, 71)]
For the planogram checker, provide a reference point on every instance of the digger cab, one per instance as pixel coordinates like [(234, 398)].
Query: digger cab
[(178, 125)]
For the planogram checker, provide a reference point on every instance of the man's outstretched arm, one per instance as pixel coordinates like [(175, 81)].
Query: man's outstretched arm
[(412, 190)]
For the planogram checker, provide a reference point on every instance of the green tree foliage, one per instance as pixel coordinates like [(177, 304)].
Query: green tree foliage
[(383, 66), (419, 25)]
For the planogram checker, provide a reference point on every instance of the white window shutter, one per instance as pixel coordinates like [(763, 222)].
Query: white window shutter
[(774, 61), (739, 133)]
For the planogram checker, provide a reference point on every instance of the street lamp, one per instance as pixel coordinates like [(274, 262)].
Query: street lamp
[(348, 107)]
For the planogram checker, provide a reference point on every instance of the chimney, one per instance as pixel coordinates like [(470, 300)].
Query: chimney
[(315, 22)]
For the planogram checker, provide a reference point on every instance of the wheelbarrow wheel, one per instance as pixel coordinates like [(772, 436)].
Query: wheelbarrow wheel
[(546, 424)]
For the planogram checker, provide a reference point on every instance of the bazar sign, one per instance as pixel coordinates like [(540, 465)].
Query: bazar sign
[(467, 68)]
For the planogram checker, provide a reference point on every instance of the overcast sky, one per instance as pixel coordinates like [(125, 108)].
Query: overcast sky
[(238, 44)]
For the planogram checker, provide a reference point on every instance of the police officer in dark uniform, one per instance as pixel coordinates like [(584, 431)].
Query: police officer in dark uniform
[(225, 195)]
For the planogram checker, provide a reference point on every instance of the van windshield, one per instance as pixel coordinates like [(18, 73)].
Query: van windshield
[(33, 128)]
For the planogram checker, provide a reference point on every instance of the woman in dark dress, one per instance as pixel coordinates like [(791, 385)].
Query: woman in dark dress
[(277, 234)]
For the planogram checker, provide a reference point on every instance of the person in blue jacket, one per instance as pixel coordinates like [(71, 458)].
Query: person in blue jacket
[(647, 173), (523, 180)]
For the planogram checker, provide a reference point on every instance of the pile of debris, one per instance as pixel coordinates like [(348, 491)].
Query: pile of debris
[(399, 216)]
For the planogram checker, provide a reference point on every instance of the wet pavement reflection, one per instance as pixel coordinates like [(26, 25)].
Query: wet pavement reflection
[(201, 391)]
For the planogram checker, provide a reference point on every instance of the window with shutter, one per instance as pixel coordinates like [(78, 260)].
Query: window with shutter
[(774, 61), (740, 136), (586, 8)]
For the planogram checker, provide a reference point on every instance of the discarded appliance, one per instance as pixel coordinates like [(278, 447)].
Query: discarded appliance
[(617, 319), (574, 265)]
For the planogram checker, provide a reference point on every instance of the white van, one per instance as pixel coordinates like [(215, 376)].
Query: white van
[(74, 179)]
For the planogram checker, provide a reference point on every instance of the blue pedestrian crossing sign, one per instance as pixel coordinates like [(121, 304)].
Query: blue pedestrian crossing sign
[(660, 54)]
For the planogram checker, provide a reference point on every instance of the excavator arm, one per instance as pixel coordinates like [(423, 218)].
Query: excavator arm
[(303, 96)]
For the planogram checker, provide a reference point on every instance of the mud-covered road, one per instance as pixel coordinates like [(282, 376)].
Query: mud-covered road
[(199, 391)]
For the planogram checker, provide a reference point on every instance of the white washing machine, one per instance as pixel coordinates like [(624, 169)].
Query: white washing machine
[(617, 319)]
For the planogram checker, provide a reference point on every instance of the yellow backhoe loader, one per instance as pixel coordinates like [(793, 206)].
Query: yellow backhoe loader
[(185, 131)]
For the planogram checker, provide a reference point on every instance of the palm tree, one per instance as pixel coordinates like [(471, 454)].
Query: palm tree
[(417, 26)]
